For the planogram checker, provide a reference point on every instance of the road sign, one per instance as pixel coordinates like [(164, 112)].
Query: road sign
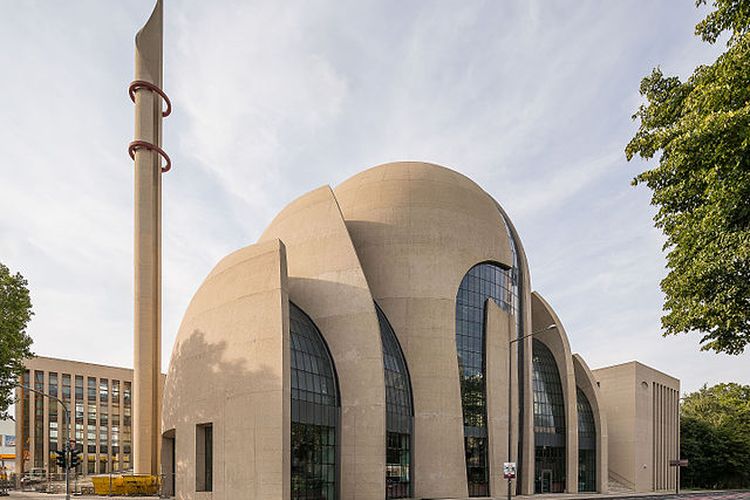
[(678, 463), (509, 470)]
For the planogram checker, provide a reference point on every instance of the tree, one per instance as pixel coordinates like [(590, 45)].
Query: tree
[(715, 437), (15, 344), (699, 130)]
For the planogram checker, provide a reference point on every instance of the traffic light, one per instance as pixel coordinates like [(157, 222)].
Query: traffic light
[(60, 458), (75, 458)]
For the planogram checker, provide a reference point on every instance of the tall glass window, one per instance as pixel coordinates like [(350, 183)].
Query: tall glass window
[(315, 411), (91, 393), (66, 387), (549, 422), (26, 419), (399, 411), (586, 443), (79, 414), (482, 282), (53, 419), (115, 429), (39, 460), (126, 424)]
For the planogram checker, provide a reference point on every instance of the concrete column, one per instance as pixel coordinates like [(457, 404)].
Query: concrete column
[(500, 328), (147, 339)]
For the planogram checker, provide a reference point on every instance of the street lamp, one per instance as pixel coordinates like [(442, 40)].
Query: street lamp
[(547, 328), (66, 434)]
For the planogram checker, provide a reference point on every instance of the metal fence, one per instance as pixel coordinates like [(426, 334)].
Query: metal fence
[(100, 484)]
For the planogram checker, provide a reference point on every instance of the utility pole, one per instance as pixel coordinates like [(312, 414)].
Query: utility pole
[(510, 394), (66, 432)]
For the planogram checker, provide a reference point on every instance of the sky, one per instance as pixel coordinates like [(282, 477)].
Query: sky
[(531, 99)]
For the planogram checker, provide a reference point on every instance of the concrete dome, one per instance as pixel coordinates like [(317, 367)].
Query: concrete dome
[(421, 220)]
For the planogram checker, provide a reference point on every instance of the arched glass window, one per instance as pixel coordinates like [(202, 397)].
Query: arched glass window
[(399, 411), (549, 422), (482, 282), (586, 443), (315, 411)]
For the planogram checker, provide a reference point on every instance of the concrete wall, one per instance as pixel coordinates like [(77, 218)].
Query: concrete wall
[(418, 228), (327, 282), (230, 367)]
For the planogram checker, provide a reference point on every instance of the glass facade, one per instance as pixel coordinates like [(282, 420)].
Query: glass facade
[(99, 421), (399, 410), (315, 412), (586, 443), (482, 282), (549, 422)]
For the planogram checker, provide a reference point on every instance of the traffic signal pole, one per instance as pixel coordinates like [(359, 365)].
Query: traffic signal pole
[(66, 433)]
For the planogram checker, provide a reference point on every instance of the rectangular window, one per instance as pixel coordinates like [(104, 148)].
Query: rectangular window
[(92, 390), (103, 391), (66, 387), (204, 437), (115, 393), (52, 390)]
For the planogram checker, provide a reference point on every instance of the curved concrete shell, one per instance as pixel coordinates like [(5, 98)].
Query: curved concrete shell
[(230, 368), (327, 282), (557, 341), (418, 228), (587, 383)]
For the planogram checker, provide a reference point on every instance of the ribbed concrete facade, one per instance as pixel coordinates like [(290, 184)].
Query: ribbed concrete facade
[(382, 340), (642, 405)]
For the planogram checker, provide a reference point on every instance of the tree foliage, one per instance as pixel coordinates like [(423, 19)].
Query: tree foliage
[(699, 130), (15, 344), (715, 437)]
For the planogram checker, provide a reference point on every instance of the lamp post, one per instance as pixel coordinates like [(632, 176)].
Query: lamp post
[(547, 328), (66, 434)]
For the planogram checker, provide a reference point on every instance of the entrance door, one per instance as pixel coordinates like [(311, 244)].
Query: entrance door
[(168, 464), (546, 481)]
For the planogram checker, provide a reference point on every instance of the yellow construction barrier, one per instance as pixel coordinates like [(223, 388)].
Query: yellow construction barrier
[(125, 484)]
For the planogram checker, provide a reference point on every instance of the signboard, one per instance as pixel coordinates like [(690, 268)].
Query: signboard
[(10, 441), (678, 463), (509, 470)]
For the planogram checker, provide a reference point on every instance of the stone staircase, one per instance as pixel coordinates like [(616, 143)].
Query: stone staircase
[(618, 486)]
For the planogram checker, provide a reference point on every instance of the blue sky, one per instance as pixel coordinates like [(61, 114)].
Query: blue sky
[(531, 99)]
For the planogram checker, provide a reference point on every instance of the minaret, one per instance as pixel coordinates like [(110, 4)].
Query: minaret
[(146, 151)]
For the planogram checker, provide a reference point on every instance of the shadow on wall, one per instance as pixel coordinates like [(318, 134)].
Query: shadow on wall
[(217, 383)]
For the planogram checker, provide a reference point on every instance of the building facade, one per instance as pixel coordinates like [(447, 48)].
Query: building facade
[(381, 340), (644, 427), (100, 401), (7, 446)]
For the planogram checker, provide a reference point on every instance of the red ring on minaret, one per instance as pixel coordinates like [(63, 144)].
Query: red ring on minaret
[(143, 84), (136, 145)]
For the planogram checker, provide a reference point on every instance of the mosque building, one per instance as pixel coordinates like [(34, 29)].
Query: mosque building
[(382, 339)]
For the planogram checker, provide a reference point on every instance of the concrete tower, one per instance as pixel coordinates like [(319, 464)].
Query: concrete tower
[(146, 150)]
